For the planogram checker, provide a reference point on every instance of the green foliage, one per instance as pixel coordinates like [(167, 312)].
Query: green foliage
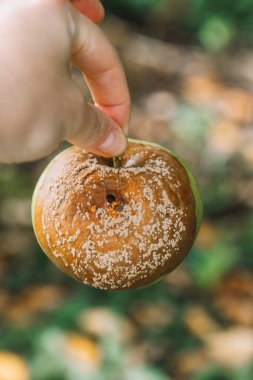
[(213, 373), (132, 9), (213, 23), (13, 182), (47, 363), (244, 373), (216, 34), (142, 373), (218, 373), (192, 122), (210, 265), (216, 23)]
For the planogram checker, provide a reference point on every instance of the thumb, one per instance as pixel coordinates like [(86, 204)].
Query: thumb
[(91, 129), (98, 128)]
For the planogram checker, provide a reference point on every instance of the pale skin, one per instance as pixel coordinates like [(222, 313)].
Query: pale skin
[(40, 104)]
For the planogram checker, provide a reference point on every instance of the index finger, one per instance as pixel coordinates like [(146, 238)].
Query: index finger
[(93, 9), (97, 59)]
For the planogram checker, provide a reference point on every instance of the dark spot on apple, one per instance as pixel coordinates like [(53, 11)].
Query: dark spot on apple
[(111, 198)]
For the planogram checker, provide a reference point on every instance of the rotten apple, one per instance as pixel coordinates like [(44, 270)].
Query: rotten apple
[(117, 228)]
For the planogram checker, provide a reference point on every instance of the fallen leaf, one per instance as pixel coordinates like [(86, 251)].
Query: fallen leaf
[(16, 211), (234, 298), (160, 105), (207, 236), (82, 353), (231, 348), (179, 280), (237, 105), (26, 306), (190, 362), (146, 128), (101, 321), (245, 191), (202, 89), (13, 367), (224, 138), (199, 322), (246, 148), (153, 314)]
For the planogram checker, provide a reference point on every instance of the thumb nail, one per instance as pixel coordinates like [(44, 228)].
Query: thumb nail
[(114, 144), (125, 129)]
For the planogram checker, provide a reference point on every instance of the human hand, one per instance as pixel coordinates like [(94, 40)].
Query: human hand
[(40, 103)]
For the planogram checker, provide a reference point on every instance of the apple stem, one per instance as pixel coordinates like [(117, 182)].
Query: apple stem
[(116, 162)]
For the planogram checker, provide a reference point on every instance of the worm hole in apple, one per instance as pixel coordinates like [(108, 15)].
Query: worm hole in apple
[(111, 198)]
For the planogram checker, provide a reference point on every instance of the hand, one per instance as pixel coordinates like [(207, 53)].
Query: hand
[(40, 104)]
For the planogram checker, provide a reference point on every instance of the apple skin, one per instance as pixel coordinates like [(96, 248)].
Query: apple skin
[(193, 182), (117, 228)]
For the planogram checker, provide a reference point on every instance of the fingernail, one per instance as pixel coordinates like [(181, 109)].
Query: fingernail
[(125, 129), (114, 144)]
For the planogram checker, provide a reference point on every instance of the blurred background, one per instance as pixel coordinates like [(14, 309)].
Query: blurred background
[(190, 70)]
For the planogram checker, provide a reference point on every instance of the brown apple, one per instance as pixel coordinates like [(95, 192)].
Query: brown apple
[(117, 228)]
